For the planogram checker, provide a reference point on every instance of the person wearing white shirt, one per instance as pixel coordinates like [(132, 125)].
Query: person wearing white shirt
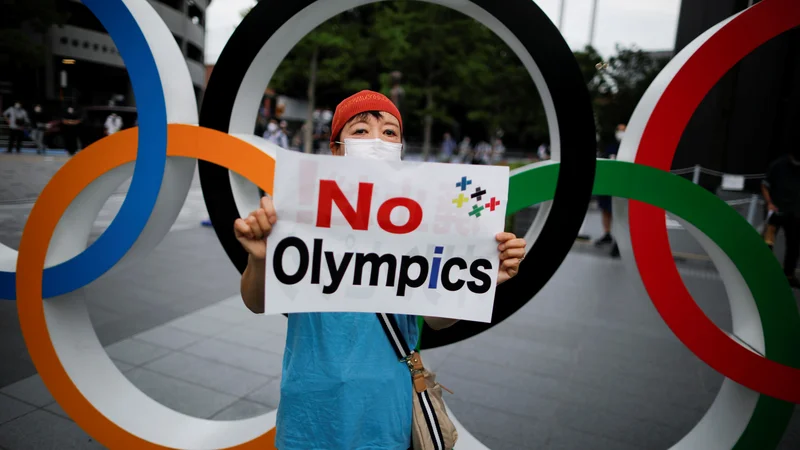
[(17, 118), (113, 124), (276, 135)]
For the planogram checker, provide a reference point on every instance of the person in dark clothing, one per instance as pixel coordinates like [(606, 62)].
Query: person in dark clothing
[(781, 190), (69, 130), (39, 125), (604, 201)]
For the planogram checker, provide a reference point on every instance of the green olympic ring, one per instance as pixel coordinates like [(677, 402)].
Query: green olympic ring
[(725, 227)]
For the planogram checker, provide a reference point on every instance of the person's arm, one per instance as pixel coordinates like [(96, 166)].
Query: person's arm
[(766, 184), (439, 323), (767, 198), (252, 233), (252, 285)]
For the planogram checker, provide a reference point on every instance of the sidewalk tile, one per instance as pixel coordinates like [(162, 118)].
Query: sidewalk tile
[(199, 324), (135, 352), (55, 408), (563, 438), (499, 397), (276, 324), (253, 338), (30, 390), (169, 337), (242, 409), (11, 408), (44, 430), (502, 426), (210, 374), (179, 395), (493, 443), (269, 394), (122, 366), (230, 314), (238, 356)]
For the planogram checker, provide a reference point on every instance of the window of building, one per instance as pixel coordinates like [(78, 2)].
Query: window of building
[(85, 44), (75, 43), (64, 40), (194, 53), (196, 14)]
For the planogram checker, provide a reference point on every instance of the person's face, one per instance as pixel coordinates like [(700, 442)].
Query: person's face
[(37, 108), (367, 126), (17, 105), (70, 110)]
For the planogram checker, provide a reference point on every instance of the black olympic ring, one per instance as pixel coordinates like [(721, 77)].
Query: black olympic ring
[(561, 79)]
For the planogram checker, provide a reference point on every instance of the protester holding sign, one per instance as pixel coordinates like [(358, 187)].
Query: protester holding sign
[(343, 386)]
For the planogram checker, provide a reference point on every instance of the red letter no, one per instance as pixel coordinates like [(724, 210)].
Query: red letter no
[(414, 215), (330, 193)]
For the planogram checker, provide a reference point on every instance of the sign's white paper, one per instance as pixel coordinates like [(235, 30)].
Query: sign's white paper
[(361, 235)]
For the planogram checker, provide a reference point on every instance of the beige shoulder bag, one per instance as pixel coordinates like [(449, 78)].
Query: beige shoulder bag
[(432, 429)]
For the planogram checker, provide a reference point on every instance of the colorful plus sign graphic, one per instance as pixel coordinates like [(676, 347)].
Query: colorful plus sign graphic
[(493, 203), (479, 193), (460, 200), (478, 208), (476, 211)]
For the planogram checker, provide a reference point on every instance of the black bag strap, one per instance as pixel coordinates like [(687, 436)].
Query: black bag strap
[(401, 349), (394, 335)]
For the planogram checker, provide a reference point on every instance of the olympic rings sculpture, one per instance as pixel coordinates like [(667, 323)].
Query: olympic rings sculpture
[(759, 360)]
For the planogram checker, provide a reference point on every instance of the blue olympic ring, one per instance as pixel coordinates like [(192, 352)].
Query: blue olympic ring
[(148, 171)]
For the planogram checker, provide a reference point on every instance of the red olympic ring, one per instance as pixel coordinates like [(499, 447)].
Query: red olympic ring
[(648, 229)]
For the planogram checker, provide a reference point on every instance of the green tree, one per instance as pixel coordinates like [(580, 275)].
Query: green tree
[(426, 43)]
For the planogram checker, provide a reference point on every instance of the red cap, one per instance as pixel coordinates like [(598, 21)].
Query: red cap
[(360, 103)]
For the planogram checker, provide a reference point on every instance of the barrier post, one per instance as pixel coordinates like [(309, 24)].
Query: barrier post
[(751, 211)]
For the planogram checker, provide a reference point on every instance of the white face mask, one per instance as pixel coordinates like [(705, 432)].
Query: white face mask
[(272, 127), (620, 135), (373, 149)]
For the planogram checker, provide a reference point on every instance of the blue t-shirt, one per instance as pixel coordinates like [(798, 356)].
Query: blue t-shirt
[(343, 386)]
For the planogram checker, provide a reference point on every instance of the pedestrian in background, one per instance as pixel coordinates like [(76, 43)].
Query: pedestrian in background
[(465, 150), (448, 148), (781, 191), (17, 119), (69, 130), (113, 124), (38, 128), (604, 201)]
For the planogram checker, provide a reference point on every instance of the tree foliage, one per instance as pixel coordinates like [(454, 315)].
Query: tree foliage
[(458, 75)]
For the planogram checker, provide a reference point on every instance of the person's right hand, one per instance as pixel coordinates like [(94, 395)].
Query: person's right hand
[(253, 230), (772, 207)]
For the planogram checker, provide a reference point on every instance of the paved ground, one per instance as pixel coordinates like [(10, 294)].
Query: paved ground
[(587, 364)]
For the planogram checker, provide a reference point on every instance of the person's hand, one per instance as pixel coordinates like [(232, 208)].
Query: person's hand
[(512, 252), (772, 207), (253, 230)]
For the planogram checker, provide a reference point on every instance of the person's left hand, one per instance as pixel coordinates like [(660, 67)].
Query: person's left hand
[(512, 252)]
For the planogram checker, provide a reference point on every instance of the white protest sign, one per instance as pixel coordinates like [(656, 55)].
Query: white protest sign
[(358, 235)]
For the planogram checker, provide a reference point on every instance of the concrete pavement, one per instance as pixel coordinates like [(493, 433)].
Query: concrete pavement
[(587, 364)]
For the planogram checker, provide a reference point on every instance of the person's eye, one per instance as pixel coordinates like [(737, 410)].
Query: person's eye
[(360, 131), (390, 133)]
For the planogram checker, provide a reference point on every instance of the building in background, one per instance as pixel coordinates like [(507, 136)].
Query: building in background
[(752, 115), (83, 67)]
